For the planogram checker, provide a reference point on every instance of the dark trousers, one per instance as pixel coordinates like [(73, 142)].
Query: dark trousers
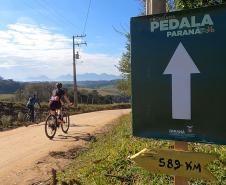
[(32, 111)]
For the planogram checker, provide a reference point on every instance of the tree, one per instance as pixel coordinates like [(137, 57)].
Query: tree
[(95, 96), (187, 4), (9, 86), (42, 90), (124, 66)]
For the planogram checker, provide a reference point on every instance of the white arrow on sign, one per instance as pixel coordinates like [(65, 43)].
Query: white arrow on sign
[(181, 66)]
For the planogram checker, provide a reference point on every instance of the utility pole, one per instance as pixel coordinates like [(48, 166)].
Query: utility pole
[(157, 7), (75, 57)]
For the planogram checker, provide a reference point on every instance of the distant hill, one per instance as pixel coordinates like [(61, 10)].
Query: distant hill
[(97, 77), (103, 87), (98, 84), (89, 77), (67, 77), (9, 86)]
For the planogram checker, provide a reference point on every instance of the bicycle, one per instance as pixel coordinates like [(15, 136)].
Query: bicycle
[(28, 118), (55, 121)]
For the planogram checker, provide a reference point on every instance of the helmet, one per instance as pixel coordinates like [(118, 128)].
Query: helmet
[(59, 85)]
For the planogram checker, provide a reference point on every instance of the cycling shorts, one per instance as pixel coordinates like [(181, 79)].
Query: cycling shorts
[(54, 105)]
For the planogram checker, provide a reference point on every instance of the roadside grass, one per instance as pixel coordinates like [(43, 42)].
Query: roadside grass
[(7, 97), (10, 117), (85, 108), (82, 108), (106, 162)]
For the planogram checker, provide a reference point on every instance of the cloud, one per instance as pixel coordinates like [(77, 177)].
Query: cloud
[(31, 50), (98, 63)]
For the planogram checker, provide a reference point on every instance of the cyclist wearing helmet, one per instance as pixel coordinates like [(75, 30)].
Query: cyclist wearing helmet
[(31, 106), (56, 99)]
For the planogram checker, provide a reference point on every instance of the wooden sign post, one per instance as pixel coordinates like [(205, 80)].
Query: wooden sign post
[(155, 7), (180, 145), (179, 163)]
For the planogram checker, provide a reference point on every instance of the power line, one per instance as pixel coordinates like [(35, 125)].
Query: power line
[(46, 16), (53, 14), (87, 16), (58, 13)]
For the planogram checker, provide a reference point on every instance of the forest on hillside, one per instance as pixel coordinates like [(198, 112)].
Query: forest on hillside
[(85, 95), (9, 86), (100, 92)]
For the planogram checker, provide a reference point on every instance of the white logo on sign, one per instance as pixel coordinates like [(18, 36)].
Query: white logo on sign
[(181, 66), (178, 27)]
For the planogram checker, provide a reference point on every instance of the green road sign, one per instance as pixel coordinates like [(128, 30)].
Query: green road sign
[(179, 75)]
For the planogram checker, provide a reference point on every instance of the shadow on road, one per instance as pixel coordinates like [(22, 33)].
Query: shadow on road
[(74, 125), (35, 124), (76, 136), (70, 154)]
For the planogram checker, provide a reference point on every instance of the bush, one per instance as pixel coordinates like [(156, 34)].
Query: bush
[(6, 121), (20, 116)]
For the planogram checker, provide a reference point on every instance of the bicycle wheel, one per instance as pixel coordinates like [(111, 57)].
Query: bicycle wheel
[(27, 119), (66, 123), (51, 126), (37, 117)]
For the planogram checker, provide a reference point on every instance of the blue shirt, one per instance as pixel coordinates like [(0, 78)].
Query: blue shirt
[(32, 101)]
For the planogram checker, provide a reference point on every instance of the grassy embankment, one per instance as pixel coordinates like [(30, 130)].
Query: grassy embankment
[(6, 97), (9, 112), (106, 161)]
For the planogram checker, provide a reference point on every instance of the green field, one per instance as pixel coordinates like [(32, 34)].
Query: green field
[(6, 97), (104, 91), (106, 161)]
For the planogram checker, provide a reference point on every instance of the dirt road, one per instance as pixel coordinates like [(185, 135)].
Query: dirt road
[(27, 156)]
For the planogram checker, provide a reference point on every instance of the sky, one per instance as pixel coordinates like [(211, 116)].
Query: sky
[(36, 36)]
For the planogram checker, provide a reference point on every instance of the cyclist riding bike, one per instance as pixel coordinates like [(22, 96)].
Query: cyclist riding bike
[(31, 106), (56, 102)]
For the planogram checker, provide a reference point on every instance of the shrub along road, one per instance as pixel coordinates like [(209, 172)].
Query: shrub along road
[(27, 156)]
